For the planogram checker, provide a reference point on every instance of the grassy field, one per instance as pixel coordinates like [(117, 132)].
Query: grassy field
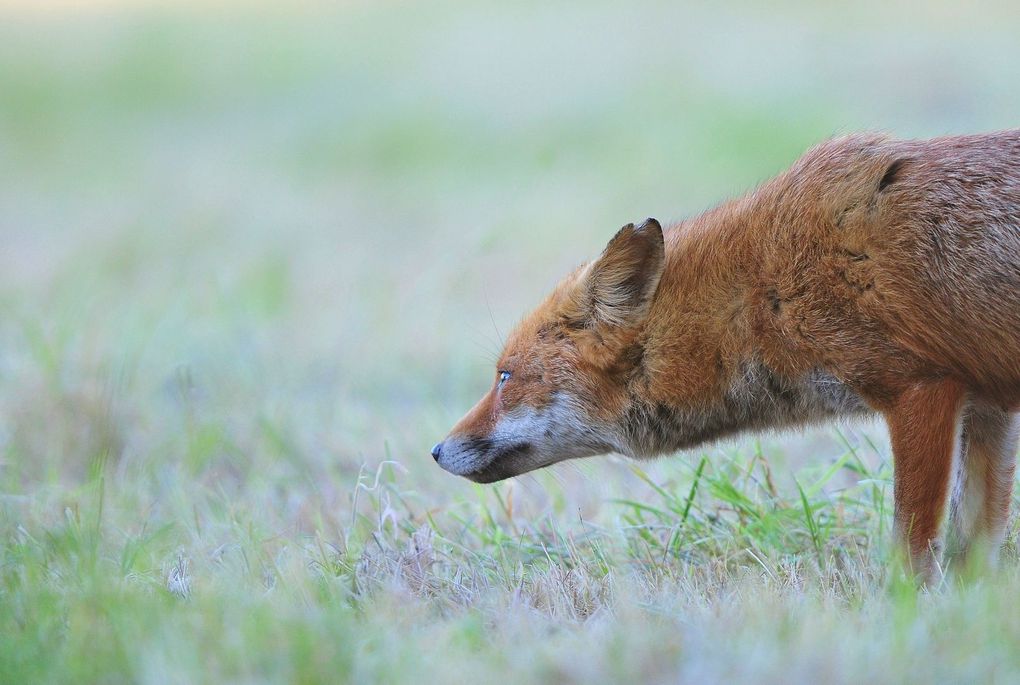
[(254, 262)]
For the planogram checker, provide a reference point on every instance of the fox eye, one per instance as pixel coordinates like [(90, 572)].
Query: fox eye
[(504, 376)]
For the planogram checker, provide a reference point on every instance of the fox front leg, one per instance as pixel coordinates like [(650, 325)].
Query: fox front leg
[(924, 427)]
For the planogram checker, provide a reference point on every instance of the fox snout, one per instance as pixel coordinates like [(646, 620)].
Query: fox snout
[(482, 459), (521, 440)]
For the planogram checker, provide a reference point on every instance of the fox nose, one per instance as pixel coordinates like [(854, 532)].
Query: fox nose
[(437, 450)]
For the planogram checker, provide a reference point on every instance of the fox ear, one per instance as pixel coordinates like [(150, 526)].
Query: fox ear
[(617, 288)]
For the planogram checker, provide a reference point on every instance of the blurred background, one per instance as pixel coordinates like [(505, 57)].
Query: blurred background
[(247, 250)]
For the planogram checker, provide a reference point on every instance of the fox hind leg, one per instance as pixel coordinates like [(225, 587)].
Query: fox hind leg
[(979, 505)]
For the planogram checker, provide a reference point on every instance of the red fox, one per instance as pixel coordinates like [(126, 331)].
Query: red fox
[(874, 276)]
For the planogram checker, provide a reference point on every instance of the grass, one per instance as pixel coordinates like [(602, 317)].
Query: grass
[(256, 261)]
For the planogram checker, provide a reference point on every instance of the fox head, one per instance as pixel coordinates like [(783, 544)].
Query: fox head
[(560, 388)]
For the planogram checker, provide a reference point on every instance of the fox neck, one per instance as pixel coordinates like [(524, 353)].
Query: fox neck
[(706, 372), (756, 399)]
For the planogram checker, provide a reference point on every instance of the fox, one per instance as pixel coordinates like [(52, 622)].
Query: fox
[(876, 276)]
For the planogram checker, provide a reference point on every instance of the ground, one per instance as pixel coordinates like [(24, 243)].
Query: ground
[(257, 259)]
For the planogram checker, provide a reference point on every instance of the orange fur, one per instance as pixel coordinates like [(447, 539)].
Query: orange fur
[(924, 429), (875, 275)]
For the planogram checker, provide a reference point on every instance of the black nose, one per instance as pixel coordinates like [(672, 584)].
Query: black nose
[(437, 450)]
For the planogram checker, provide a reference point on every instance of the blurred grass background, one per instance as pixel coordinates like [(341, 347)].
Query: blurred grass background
[(251, 252)]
